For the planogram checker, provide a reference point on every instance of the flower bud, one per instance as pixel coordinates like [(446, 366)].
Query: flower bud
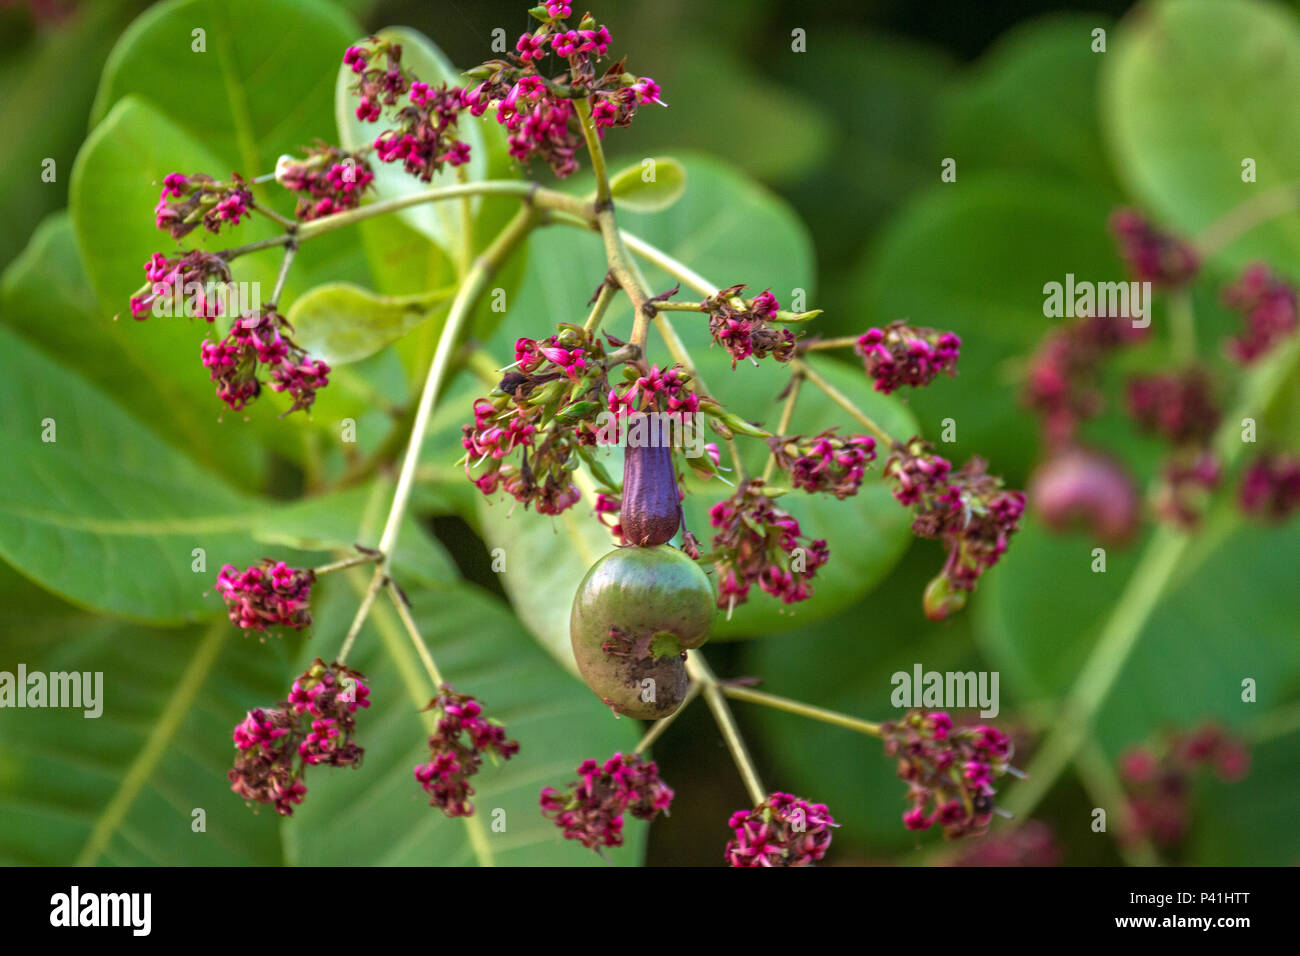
[(941, 598), (1082, 485)]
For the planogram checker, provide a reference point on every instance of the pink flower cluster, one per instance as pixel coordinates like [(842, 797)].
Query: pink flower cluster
[(538, 112), (381, 80), (968, 509), (745, 330), (1158, 780), (315, 726), (1151, 255), (456, 751), (1270, 488), (1063, 384), (784, 830), (757, 542), (1268, 308), (270, 594), (900, 354), (591, 810), (1178, 406), (330, 179), (260, 341), (187, 201), (825, 462), (662, 390), (189, 276), (542, 481), (949, 773)]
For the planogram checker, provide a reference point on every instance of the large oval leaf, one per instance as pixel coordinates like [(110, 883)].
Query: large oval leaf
[(342, 323)]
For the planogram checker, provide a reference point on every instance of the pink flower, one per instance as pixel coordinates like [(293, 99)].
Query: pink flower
[(900, 354), (782, 831)]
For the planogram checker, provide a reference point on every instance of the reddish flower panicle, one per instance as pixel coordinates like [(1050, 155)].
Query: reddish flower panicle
[(900, 354), (1178, 406), (270, 594), (189, 201), (784, 830), (1270, 487), (825, 462), (949, 772), (330, 180), (257, 342), (188, 282), (744, 330), (591, 809), (1268, 308), (757, 542), (315, 726)]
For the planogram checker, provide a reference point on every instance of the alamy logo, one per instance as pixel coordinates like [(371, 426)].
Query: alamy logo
[(102, 909), (947, 690), (1076, 300), (206, 300), (56, 689)]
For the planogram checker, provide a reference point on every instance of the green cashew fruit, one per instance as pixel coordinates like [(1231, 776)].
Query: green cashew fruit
[(635, 614)]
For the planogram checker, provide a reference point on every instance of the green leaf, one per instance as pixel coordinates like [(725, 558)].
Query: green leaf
[(634, 193), (927, 269), (439, 222), (122, 788), (1191, 90), (1208, 631), (1031, 104), (378, 815), (125, 359), (343, 323), (224, 95), (110, 517)]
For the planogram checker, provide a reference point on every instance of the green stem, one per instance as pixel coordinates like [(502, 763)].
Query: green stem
[(843, 401), (659, 726), (1182, 327), (783, 427), (461, 307), (413, 631), (700, 672), (603, 298), (804, 710)]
